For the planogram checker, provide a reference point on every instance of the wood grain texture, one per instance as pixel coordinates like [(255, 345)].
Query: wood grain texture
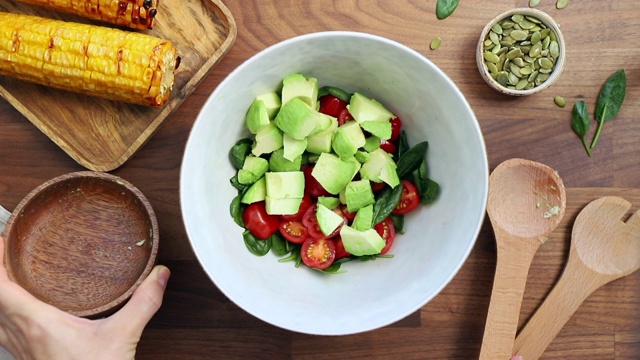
[(198, 322)]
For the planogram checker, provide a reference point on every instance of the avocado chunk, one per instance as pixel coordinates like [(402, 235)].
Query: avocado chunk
[(328, 220), (359, 243), (282, 206), (347, 139), (329, 201), (293, 148), (285, 185), (320, 142), (253, 169), (373, 142), (297, 86), (271, 102), (268, 139), (256, 192), (362, 156), (257, 117), (358, 194), (380, 129), (299, 120), (364, 109), (277, 162), (333, 173), (364, 219), (380, 167)]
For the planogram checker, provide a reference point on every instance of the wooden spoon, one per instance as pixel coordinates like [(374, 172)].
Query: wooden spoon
[(603, 249), (526, 203)]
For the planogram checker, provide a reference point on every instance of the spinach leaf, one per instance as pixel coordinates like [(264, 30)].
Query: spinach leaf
[(412, 159), (403, 144), (279, 245), (236, 184), (236, 208), (609, 100), (256, 246), (335, 91), (444, 8), (430, 194), (386, 202), (294, 254), (398, 223), (580, 122), (239, 152)]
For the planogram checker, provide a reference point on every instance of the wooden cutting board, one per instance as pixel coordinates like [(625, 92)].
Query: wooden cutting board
[(102, 135)]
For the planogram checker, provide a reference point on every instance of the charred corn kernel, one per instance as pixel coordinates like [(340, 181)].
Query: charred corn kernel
[(99, 61), (136, 14)]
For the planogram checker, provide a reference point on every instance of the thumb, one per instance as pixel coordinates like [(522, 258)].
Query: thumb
[(144, 303)]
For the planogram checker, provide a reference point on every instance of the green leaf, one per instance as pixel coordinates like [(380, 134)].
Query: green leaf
[(444, 8), (610, 100), (236, 208), (412, 159), (239, 152), (335, 91), (403, 144), (398, 223), (580, 122), (386, 202), (256, 246), (430, 193), (279, 245)]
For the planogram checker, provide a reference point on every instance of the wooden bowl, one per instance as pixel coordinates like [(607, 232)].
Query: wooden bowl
[(82, 242), (559, 63)]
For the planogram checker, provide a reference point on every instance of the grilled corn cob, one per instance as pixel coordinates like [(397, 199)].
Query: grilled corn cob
[(136, 14), (109, 63)]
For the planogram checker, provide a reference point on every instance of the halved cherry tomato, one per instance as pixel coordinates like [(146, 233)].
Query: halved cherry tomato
[(340, 250), (304, 205), (345, 212), (310, 221), (311, 185), (387, 231), (294, 231), (258, 222), (344, 116), (377, 186), (396, 126), (388, 146), (410, 198), (318, 253), (331, 105)]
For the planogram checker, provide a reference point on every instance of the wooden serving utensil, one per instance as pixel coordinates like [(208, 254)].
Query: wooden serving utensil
[(603, 249), (526, 203)]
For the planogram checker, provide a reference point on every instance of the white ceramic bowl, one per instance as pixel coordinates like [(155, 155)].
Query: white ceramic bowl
[(438, 238)]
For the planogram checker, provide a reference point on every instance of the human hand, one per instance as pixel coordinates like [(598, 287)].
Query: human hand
[(32, 329)]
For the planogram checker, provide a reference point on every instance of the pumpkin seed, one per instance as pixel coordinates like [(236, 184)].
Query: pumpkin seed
[(560, 101), (497, 29), (515, 69), (535, 37), (493, 68), (519, 35), (554, 49), (491, 57), (496, 49), (507, 24), (534, 3), (561, 4), (521, 84), (513, 79), (503, 78), (488, 43), (533, 76), (526, 71), (535, 50), (518, 61), (517, 18), (435, 43), (494, 38), (533, 19), (526, 24), (545, 63)]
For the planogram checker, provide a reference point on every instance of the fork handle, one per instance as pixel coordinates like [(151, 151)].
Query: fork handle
[(575, 285)]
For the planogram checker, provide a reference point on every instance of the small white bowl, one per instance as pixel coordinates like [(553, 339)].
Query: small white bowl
[(553, 76), (438, 238)]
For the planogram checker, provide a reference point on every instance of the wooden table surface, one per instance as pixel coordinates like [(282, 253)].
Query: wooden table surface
[(197, 322)]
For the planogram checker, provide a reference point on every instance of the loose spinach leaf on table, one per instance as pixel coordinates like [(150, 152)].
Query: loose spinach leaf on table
[(580, 122), (609, 101), (444, 8)]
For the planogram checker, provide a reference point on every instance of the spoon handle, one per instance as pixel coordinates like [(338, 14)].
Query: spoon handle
[(4, 217), (575, 285), (514, 259)]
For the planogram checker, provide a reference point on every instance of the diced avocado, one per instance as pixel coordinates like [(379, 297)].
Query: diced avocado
[(364, 219), (356, 165), (328, 220), (271, 102), (277, 162), (373, 142), (268, 140), (257, 117), (333, 173), (329, 201), (364, 109), (324, 121), (298, 120), (293, 148), (285, 185), (360, 243), (297, 86), (253, 169), (362, 156), (347, 139), (256, 192), (380, 129), (380, 167), (358, 194), (321, 142), (275, 206)]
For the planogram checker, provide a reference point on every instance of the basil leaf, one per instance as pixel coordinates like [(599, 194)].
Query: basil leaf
[(256, 246), (412, 159), (386, 202), (610, 100), (239, 152), (580, 122), (236, 208), (444, 8), (335, 91)]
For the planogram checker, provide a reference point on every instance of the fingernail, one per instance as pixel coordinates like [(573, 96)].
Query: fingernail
[(163, 276)]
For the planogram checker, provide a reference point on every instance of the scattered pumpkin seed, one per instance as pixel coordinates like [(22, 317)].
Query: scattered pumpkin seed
[(560, 101), (435, 43), (561, 4), (534, 3)]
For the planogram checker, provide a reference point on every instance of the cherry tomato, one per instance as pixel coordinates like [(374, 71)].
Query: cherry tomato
[(410, 198), (345, 212), (331, 105), (377, 186), (387, 231), (344, 117), (340, 251), (396, 126), (258, 222), (388, 146), (318, 253), (311, 185), (310, 221), (304, 205), (293, 231)]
